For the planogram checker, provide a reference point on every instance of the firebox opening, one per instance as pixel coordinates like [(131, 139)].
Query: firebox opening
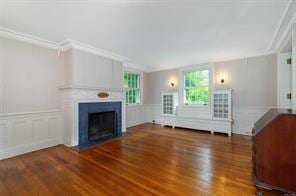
[(101, 124)]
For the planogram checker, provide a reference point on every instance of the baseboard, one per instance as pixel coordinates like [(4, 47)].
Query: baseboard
[(158, 122), (22, 149), (246, 133), (135, 123)]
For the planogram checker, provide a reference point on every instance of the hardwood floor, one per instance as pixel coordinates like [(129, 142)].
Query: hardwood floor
[(150, 160)]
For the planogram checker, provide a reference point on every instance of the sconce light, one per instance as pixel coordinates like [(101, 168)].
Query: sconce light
[(172, 84), (223, 77)]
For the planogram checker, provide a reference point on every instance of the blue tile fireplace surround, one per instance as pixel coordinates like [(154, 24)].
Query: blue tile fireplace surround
[(87, 110)]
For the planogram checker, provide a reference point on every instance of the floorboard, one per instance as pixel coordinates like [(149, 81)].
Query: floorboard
[(150, 160)]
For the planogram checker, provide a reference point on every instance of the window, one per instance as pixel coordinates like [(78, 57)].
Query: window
[(132, 88), (196, 87)]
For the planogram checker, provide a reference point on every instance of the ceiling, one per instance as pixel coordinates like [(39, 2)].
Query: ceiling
[(155, 34)]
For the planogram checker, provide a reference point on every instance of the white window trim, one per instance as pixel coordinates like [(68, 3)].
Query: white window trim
[(140, 73), (208, 66)]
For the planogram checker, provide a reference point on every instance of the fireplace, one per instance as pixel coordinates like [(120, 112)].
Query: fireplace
[(101, 124), (98, 122)]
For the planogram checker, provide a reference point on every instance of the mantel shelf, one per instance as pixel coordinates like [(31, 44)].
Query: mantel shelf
[(72, 87)]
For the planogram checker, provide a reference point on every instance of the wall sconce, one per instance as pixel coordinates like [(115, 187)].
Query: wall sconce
[(172, 84), (222, 77)]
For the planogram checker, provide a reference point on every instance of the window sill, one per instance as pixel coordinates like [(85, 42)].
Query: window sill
[(196, 105), (134, 105), (169, 115)]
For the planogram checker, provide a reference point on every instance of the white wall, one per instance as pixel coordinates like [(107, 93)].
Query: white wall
[(284, 73), (254, 83), (82, 69), (293, 85), (29, 77), (1, 74), (30, 116), (158, 82)]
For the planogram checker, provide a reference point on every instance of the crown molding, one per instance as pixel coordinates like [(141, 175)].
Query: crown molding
[(286, 42), (83, 88), (249, 55), (284, 27), (279, 25), (136, 67), (72, 44), (11, 34), (62, 46), (217, 60)]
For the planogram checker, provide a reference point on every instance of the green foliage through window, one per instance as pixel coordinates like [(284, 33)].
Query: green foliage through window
[(196, 87), (132, 88)]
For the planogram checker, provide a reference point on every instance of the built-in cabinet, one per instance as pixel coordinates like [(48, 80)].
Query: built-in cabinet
[(218, 120), (222, 105), (169, 103)]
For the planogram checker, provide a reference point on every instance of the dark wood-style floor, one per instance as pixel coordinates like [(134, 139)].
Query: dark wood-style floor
[(150, 160)]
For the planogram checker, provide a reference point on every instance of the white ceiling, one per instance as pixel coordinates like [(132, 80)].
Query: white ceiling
[(159, 34)]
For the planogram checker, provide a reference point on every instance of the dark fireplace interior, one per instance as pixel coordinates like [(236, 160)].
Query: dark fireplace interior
[(101, 125), (99, 122)]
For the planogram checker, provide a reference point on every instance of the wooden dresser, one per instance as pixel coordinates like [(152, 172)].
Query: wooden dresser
[(274, 151)]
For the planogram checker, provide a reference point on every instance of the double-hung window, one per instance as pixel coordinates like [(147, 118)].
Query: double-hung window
[(196, 85), (132, 88)]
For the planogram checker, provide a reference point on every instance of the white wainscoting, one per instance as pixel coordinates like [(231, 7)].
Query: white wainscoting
[(137, 114), (244, 117), (25, 132)]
